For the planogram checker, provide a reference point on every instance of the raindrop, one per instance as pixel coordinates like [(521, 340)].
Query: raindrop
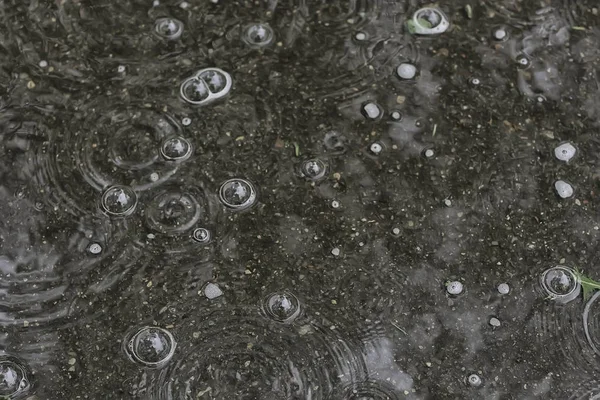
[(371, 111), (314, 169), (282, 306), (13, 377), (560, 284), (119, 200), (565, 151), (503, 288), (186, 121), (94, 248), (563, 189), (523, 61), (212, 291), (376, 148), (429, 21), (406, 71), (454, 288), (237, 194), (176, 149), (151, 347), (201, 235), (474, 380), (168, 28), (396, 115), (258, 35)]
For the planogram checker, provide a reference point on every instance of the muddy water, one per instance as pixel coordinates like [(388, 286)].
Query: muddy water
[(299, 199)]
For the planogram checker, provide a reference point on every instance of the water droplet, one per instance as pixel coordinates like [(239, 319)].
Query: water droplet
[(119, 200), (258, 35), (503, 288), (43, 63), (565, 151), (168, 28), (94, 248), (176, 149), (282, 306), (238, 194), (371, 110), (173, 212), (500, 33), (151, 347), (376, 148), (194, 91), (429, 21), (523, 61), (406, 71), (474, 380), (13, 377), (314, 169), (212, 291), (186, 121), (396, 115), (560, 284), (201, 235), (454, 288), (563, 189)]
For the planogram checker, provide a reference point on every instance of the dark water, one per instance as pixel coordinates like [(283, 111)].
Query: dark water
[(325, 272)]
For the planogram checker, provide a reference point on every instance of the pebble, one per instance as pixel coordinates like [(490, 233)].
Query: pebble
[(503, 288), (454, 288), (43, 63), (429, 153), (564, 189), (396, 231), (335, 251), (474, 380), (494, 322), (212, 291), (565, 152), (406, 71)]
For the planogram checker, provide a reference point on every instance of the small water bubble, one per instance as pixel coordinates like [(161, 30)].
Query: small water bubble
[(539, 99), (565, 151), (560, 284), (396, 115), (13, 377), (186, 121), (151, 347), (396, 231), (335, 204), (360, 36), (335, 251), (371, 110), (258, 35), (503, 288), (376, 148), (168, 28), (428, 153), (119, 200), (500, 33), (282, 307), (201, 235), (523, 61), (184, 4), (176, 149), (474, 380), (154, 177), (94, 248), (121, 69), (475, 81), (454, 288), (43, 64), (495, 322), (406, 71), (313, 169), (563, 189), (237, 194)]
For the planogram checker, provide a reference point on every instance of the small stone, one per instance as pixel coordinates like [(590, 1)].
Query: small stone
[(25, 324), (335, 251), (30, 85), (429, 153), (212, 291), (43, 64), (563, 189), (474, 380), (495, 322), (454, 288), (406, 71), (503, 288), (396, 231), (72, 361), (565, 152)]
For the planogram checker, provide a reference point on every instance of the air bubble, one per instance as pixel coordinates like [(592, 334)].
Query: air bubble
[(503, 288), (201, 235), (168, 28), (194, 91), (94, 248), (216, 81), (475, 81), (14, 380), (396, 115), (237, 194), (151, 347), (523, 61), (376, 148), (335, 204), (184, 5), (258, 35), (565, 152), (500, 33), (206, 85), (371, 111), (406, 71), (360, 36), (563, 189), (121, 69), (454, 288), (186, 121), (474, 380), (176, 149), (560, 284), (313, 169), (429, 21), (428, 153), (282, 307), (43, 64), (119, 200)]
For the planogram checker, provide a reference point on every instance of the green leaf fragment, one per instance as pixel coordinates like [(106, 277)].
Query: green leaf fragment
[(588, 285)]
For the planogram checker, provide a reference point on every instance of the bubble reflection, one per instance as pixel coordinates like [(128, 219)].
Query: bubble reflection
[(119, 200), (237, 194)]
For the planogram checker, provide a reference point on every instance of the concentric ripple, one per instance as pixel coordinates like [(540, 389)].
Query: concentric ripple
[(367, 390), (237, 355), (173, 212)]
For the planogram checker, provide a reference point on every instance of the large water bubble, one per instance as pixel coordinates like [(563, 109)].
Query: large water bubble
[(313, 169), (282, 306), (168, 28), (237, 194), (14, 380), (195, 91), (119, 200), (565, 151), (176, 149), (428, 21), (205, 86), (560, 284), (258, 35), (151, 347)]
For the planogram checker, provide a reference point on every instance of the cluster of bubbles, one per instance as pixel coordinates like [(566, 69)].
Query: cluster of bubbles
[(428, 21), (206, 86), (564, 152)]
